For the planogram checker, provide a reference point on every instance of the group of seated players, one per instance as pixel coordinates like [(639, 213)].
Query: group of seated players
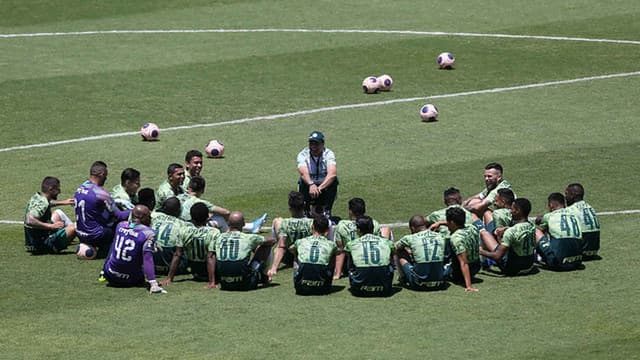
[(174, 231)]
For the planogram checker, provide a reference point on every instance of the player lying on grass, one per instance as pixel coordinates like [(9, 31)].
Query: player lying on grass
[(315, 256), (130, 258), (218, 214), (46, 232)]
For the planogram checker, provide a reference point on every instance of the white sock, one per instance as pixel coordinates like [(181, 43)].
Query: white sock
[(65, 219)]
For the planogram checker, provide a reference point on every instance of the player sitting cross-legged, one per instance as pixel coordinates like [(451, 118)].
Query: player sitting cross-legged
[(241, 257), (371, 256), (315, 256), (130, 258)]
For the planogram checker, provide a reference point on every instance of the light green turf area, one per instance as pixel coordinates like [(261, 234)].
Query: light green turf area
[(57, 88)]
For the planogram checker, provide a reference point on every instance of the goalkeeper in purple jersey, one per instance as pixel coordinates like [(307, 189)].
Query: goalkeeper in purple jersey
[(131, 255), (96, 212)]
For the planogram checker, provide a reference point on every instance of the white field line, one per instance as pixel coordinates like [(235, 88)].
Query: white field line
[(399, 224), (331, 108), (325, 31)]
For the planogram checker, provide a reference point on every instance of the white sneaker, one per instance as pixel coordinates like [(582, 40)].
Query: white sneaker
[(257, 223)]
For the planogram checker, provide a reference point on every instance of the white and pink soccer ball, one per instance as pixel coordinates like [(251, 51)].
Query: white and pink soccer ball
[(446, 60), (150, 132), (370, 85), (385, 82), (86, 252), (429, 112), (214, 149)]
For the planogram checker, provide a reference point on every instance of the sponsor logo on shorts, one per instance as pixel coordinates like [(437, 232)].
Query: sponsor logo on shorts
[(231, 279), (312, 283)]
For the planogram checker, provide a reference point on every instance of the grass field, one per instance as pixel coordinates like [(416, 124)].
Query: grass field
[(72, 86)]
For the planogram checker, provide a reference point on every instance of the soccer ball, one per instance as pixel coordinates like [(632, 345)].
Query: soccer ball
[(86, 252), (446, 60), (150, 132), (385, 82), (214, 149), (428, 112), (370, 85)]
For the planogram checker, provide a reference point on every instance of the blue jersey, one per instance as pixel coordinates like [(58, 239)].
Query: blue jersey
[(126, 257), (95, 210)]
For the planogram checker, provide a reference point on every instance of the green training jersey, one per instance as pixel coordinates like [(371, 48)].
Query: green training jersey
[(38, 207), (235, 245), (293, 229), (118, 193), (346, 231), (441, 215), (501, 217), (561, 224), (188, 201), (589, 225), (187, 180), (491, 195), (170, 230), (466, 240), (165, 191), (370, 251), (200, 243), (586, 215), (426, 246), (315, 249), (520, 239)]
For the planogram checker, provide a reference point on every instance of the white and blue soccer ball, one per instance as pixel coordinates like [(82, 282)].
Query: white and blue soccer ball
[(446, 60), (214, 149), (428, 112), (86, 252), (385, 82), (150, 132), (370, 85)]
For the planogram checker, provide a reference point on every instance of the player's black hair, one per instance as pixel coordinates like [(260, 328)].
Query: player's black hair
[(173, 167), (98, 168), (507, 195), (451, 191), (296, 200), (191, 154), (130, 174), (577, 190), (321, 224), (524, 205), (197, 184), (357, 206), (556, 197), (49, 182), (199, 213), (456, 215), (452, 196), (494, 165), (171, 206), (364, 224), (147, 197)]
